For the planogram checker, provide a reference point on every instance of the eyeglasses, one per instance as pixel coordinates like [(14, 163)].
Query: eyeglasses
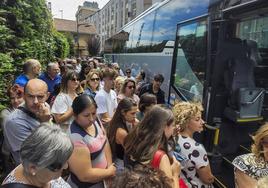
[(95, 79), (131, 87), (74, 79), (128, 72), (55, 167)]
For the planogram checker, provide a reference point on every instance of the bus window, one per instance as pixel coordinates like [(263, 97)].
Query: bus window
[(191, 60), (257, 30)]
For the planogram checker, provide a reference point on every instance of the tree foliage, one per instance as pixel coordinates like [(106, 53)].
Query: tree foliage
[(26, 31)]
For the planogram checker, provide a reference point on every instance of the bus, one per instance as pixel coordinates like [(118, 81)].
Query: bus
[(214, 52), (147, 42)]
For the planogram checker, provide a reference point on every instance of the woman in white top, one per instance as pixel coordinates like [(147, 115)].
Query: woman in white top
[(62, 106), (196, 169)]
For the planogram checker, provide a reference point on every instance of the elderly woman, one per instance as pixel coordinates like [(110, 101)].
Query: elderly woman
[(253, 166), (128, 90), (44, 155), (92, 83), (196, 170)]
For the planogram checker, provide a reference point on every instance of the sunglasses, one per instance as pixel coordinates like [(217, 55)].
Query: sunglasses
[(55, 167), (74, 79), (128, 72), (95, 79), (131, 87)]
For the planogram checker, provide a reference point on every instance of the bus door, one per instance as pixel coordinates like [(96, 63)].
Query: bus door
[(189, 61)]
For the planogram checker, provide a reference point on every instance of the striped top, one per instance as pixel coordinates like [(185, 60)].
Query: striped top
[(94, 143)]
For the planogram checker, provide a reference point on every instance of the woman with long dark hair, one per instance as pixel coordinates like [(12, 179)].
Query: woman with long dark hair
[(91, 160), (61, 108), (149, 138), (122, 122)]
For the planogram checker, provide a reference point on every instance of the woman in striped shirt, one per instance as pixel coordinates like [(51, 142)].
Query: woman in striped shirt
[(91, 161)]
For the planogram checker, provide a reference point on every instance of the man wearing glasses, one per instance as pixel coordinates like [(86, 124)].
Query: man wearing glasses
[(128, 74), (27, 117), (154, 88)]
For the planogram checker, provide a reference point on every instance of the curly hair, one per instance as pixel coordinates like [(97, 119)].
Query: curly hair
[(142, 176), (257, 147), (184, 112)]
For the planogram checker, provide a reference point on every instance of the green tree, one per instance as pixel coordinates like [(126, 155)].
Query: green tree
[(26, 31)]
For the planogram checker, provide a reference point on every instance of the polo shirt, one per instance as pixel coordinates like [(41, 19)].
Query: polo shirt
[(19, 125), (50, 82), (21, 80)]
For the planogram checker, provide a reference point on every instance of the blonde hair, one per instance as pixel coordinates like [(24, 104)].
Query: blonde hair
[(262, 183), (89, 75), (184, 112), (256, 147)]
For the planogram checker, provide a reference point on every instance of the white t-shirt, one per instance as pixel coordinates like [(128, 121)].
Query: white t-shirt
[(197, 158), (61, 104), (106, 102)]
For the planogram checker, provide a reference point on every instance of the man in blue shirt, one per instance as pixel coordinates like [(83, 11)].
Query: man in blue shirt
[(52, 79), (31, 70)]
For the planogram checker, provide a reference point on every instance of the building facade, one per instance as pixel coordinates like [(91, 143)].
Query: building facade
[(115, 14), (81, 34)]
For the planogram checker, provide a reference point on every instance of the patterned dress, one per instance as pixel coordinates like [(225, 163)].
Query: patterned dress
[(254, 167), (196, 157), (57, 183)]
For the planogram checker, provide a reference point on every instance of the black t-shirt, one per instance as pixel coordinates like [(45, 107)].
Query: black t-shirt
[(160, 95)]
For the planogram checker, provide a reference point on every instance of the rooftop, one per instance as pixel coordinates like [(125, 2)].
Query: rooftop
[(70, 26)]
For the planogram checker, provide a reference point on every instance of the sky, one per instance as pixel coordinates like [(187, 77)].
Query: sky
[(66, 9)]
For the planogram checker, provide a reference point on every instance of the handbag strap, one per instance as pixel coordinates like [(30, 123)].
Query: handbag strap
[(157, 158)]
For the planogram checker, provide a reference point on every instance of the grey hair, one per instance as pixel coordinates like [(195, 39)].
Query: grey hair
[(47, 145), (29, 64), (51, 64)]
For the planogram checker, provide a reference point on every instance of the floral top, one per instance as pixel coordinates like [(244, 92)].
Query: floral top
[(254, 167), (57, 183)]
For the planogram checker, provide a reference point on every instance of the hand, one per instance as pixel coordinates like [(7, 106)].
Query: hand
[(176, 167), (112, 169), (136, 121), (43, 114)]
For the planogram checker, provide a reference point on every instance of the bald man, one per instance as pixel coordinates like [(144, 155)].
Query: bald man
[(31, 70), (27, 117)]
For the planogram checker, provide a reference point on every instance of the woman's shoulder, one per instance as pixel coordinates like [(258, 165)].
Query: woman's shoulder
[(188, 143), (244, 160), (251, 165), (59, 183)]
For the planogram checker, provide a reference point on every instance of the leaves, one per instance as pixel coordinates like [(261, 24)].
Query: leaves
[(27, 31)]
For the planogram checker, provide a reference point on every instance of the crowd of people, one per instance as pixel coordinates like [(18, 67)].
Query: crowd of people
[(107, 128)]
